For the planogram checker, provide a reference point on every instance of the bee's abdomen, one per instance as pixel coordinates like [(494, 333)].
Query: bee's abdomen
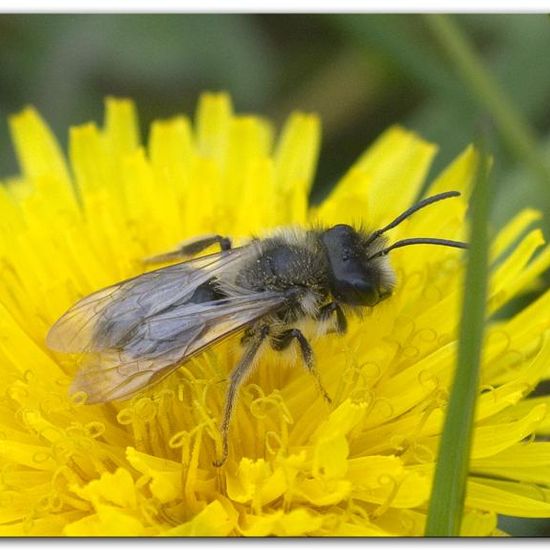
[(207, 292)]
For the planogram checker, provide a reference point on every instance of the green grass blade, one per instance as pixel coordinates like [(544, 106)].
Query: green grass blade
[(514, 129), (449, 485)]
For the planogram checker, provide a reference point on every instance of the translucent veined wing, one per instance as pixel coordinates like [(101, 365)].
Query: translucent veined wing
[(158, 345), (102, 320)]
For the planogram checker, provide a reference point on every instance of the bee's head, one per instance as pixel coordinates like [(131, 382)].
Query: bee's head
[(360, 273), (354, 278)]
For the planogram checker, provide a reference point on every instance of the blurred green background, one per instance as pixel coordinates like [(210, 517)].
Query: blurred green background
[(361, 73)]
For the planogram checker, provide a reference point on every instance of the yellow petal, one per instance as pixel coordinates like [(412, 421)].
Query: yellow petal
[(409, 491), (320, 492), (171, 148), (165, 475), (121, 132), (107, 522), (255, 482), (491, 439), (212, 521), (33, 456), (397, 164), (331, 449), (348, 203), (371, 471), (370, 192), (526, 405), (89, 159), (459, 175), (536, 475), (478, 523), (358, 530), (296, 153), (508, 498), (295, 523), (37, 149), (213, 122), (512, 230), (100, 491), (504, 285), (295, 159)]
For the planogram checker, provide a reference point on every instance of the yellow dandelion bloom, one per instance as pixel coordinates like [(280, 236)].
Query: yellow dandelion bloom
[(363, 465)]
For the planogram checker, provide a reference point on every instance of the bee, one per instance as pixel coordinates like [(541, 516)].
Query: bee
[(137, 332)]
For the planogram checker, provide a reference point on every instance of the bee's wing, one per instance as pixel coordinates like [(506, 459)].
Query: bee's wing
[(159, 344), (102, 320)]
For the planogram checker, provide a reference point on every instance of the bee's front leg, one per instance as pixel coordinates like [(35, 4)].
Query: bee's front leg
[(334, 308), (284, 339), (189, 248)]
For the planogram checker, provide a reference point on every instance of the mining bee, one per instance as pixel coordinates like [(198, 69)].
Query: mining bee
[(137, 332)]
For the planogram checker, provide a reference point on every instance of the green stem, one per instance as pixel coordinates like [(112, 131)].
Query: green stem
[(451, 474), (515, 131)]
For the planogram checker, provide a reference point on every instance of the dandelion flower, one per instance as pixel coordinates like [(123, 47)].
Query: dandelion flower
[(363, 465)]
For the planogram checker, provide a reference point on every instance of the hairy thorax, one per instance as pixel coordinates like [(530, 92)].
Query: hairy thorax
[(289, 260)]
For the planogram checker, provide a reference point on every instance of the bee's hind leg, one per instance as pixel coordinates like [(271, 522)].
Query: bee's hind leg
[(236, 378), (283, 340), (189, 248)]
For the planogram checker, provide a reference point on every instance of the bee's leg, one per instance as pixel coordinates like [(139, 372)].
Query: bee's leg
[(190, 248), (341, 321), (236, 378), (283, 340)]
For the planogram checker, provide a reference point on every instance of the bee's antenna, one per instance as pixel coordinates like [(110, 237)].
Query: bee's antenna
[(410, 211), (419, 240)]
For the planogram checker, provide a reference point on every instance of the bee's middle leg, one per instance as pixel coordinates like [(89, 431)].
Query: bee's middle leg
[(236, 378), (284, 339)]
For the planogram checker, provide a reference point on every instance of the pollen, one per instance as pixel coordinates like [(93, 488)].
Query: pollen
[(75, 221)]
